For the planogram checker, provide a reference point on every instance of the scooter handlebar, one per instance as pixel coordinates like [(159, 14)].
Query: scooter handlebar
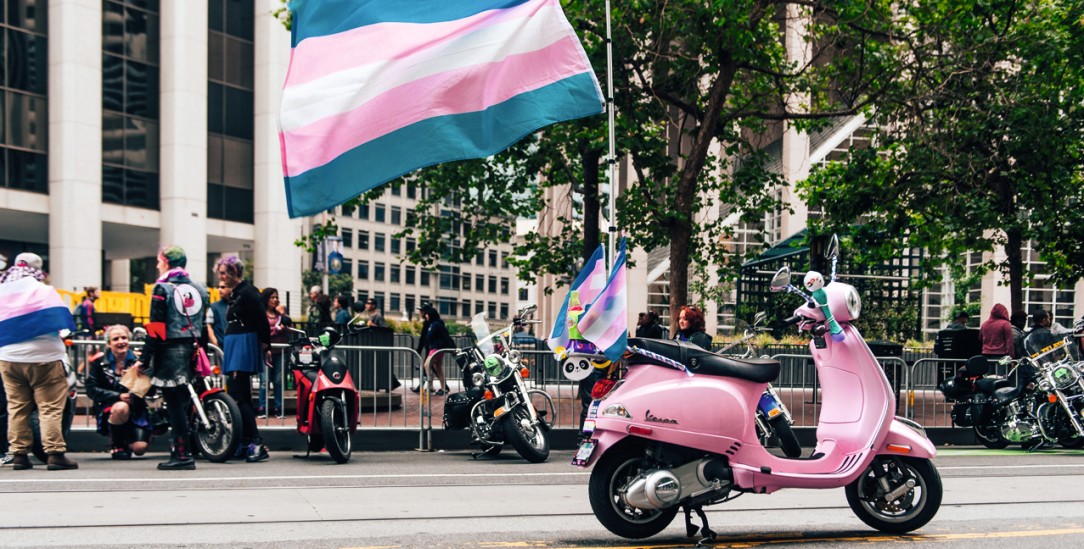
[(789, 321)]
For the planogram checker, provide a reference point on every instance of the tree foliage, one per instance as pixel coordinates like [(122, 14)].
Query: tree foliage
[(978, 143)]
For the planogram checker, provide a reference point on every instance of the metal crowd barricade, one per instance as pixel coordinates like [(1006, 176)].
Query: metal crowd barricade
[(924, 402)]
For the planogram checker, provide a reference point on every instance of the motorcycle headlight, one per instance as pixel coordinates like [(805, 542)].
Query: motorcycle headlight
[(477, 379), (1063, 376)]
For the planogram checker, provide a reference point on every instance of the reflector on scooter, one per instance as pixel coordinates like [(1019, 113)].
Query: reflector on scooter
[(899, 448), (637, 430)]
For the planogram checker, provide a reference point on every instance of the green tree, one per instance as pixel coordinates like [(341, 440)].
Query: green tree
[(978, 144)]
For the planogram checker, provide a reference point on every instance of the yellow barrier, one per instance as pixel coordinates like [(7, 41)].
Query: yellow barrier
[(137, 305)]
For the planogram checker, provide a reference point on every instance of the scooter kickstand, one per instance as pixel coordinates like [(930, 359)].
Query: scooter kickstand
[(690, 530), (708, 533)]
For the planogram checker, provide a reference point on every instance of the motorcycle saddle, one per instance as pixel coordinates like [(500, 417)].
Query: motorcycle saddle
[(700, 361), (988, 385), (1005, 395)]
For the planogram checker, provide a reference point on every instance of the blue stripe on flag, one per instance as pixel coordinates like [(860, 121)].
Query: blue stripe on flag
[(324, 17), (24, 327), (439, 139)]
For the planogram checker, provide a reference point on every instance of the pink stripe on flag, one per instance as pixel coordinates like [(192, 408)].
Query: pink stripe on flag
[(15, 304), (468, 90), (323, 55)]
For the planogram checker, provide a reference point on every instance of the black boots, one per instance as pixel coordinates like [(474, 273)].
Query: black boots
[(57, 462), (180, 459), (118, 435)]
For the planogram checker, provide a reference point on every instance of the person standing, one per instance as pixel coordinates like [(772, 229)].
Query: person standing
[(434, 337), (319, 307), (996, 334), (374, 316), (217, 316), (691, 327), (84, 313), (248, 342), (647, 326), (175, 327), (121, 415), (1018, 320), (278, 324), (31, 361), (340, 310)]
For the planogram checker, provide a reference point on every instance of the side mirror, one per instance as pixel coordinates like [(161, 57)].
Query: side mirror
[(759, 318), (832, 249), (527, 311), (781, 279)]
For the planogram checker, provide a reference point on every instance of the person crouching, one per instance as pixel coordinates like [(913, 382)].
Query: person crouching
[(121, 415)]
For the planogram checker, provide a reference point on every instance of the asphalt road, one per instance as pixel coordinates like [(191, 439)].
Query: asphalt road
[(447, 500)]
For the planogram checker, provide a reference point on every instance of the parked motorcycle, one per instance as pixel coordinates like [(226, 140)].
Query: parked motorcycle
[(1060, 379), (773, 418), (497, 406), (328, 401), (678, 430), (1000, 411)]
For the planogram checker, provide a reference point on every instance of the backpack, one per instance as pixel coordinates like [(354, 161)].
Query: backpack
[(79, 313)]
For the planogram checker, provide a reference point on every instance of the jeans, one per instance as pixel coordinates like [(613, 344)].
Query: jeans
[(272, 375)]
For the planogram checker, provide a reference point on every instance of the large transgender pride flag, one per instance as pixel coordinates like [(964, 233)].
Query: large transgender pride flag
[(379, 88), (606, 322), (29, 309)]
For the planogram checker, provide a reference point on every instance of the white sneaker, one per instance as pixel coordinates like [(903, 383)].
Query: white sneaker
[(6, 459)]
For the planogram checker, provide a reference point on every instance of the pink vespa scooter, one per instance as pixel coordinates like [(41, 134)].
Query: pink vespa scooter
[(678, 430)]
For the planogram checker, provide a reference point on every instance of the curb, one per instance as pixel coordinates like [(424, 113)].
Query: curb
[(401, 439)]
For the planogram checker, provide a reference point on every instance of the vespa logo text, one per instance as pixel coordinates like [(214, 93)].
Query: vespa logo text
[(653, 419)]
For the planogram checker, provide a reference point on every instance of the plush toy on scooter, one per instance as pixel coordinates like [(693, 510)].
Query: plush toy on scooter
[(814, 282)]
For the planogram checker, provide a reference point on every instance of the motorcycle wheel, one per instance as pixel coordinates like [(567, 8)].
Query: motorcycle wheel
[(36, 446), (336, 430), (788, 441), (912, 510), (529, 440), (606, 489), (220, 442), (1072, 443), (993, 439)]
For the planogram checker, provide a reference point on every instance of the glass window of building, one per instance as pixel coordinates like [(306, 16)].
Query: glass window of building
[(348, 267), (409, 308), (363, 269), (492, 284), (396, 189), (24, 136), (504, 285), (504, 260), (378, 272), (395, 273), (396, 215), (410, 275), (380, 213), (423, 279), (465, 307), (130, 110), (479, 307), (396, 245), (445, 306), (492, 258), (230, 109), (466, 282), (492, 310), (378, 242), (411, 244), (363, 212), (348, 238), (411, 191), (479, 283), (480, 259), (395, 303), (504, 310), (363, 240)]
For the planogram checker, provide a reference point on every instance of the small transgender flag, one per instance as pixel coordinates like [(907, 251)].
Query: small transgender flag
[(379, 88), (606, 322), (590, 282)]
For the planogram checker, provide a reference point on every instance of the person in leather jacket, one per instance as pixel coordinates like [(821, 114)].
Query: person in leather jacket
[(691, 328), (122, 416)]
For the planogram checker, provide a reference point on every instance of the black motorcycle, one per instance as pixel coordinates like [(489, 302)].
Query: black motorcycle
[(497, 406), (1000, 411)]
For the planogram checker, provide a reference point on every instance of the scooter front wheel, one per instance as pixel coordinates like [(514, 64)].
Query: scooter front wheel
[(610, 479), (912, 498), (336, 429)]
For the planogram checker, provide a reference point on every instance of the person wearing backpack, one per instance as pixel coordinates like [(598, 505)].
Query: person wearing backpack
[(84, 312)]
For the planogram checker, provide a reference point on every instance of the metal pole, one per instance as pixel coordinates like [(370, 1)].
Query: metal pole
[(611, 160)]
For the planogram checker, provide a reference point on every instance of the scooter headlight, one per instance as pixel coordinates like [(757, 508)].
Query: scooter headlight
[(617, 410), (854, 303)]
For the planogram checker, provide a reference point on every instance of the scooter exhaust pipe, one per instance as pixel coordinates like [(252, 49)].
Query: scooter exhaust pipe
[(662, 488)]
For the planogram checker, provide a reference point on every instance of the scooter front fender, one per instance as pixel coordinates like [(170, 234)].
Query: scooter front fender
[(906, 440)]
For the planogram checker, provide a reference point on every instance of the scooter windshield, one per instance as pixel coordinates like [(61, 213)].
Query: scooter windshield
[(481, 333)]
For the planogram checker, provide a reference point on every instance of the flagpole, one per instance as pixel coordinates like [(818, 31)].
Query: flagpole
[(611, 160)]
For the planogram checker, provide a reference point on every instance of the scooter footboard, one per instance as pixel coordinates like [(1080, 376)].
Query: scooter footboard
[(907, 438)]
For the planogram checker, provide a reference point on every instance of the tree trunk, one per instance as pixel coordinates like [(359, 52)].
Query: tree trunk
[(591, 202), (679, 270), (1014, 251)]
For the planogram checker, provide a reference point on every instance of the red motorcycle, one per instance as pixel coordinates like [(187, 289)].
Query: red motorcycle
[(328, 402)]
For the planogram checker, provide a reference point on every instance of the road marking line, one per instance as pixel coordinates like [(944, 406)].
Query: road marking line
[(297, 477), (742, 543)]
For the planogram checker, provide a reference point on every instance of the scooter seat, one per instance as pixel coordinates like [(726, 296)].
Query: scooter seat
[(700, 361)]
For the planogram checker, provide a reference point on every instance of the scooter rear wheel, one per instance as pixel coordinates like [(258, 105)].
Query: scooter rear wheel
[(609, 479), (908, 511)]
